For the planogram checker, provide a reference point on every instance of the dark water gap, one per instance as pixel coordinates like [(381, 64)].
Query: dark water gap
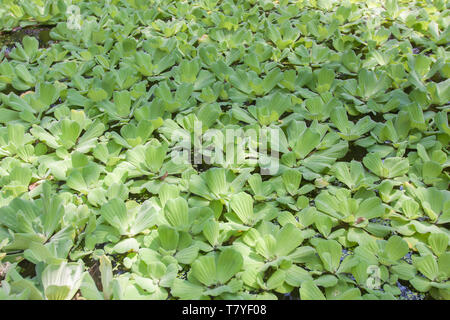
[(8, 39)]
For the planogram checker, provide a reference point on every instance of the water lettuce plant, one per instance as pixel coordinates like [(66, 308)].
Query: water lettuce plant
[(224, 149)]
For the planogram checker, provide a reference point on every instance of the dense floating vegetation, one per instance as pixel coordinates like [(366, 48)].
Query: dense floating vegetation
[(95, 206)]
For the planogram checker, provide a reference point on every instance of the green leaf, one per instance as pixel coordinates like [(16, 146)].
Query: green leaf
[(310, 291), (70, 131), (431, 169), (168, 237), (276, 280), (242, 204), (288, 239), (330, 252), (229, 263), (186, 290), (296, 275), (204, 270), (126, 245), (122, 102), (438, 243), (155, 154), (187, 255), (444, 264), (115, 213), (326, 281), (404, 271), (396, 248), (291, 179), (106, 276), (176, 213), (89, 289), (53, 210), (216, 181), (307, 142), (61, 282), (146, 218), (211, 231), (48, 94), (339, 117), (370, 208), (427, 265), (324, 79)]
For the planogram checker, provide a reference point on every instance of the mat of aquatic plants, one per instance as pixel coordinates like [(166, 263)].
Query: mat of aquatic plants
[(346, 196)]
